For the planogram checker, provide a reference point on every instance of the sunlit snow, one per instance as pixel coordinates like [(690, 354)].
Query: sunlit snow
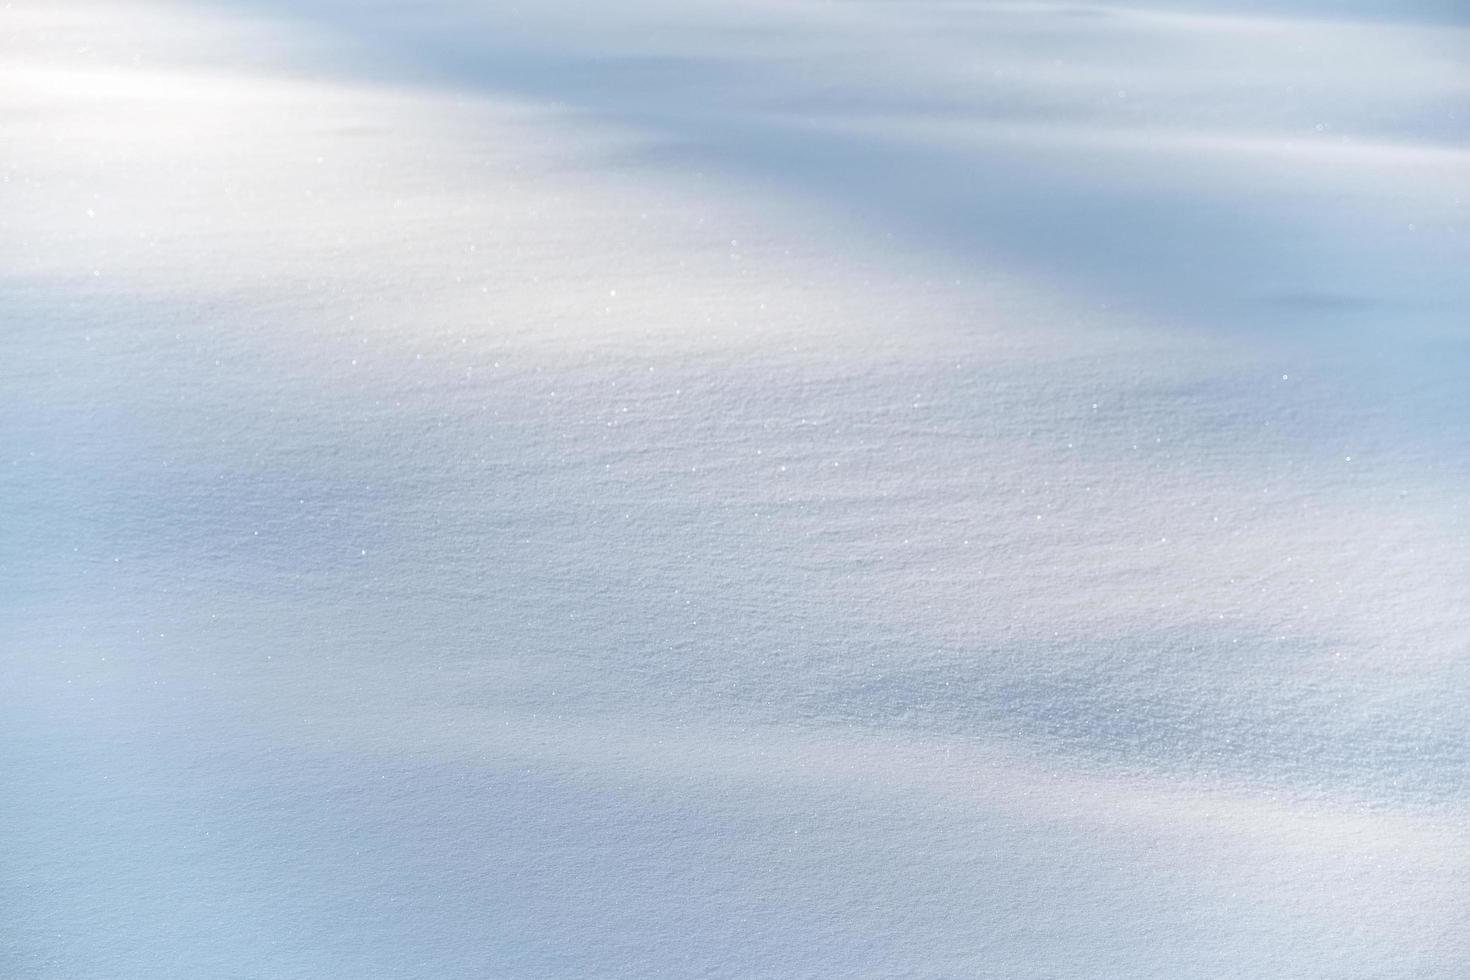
[(947, 488)]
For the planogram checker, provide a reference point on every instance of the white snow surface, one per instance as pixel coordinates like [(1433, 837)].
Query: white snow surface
[(818, 488)]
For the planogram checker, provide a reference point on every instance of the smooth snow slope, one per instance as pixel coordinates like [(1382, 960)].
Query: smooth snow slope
[(763, 489)]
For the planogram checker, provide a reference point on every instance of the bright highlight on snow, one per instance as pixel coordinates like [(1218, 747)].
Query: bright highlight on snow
[(751, 489)]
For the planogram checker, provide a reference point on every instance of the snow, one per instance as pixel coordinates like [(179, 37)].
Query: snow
[(766, 489)]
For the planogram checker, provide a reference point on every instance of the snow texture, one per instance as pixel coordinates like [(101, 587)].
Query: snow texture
[(947, 488)]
